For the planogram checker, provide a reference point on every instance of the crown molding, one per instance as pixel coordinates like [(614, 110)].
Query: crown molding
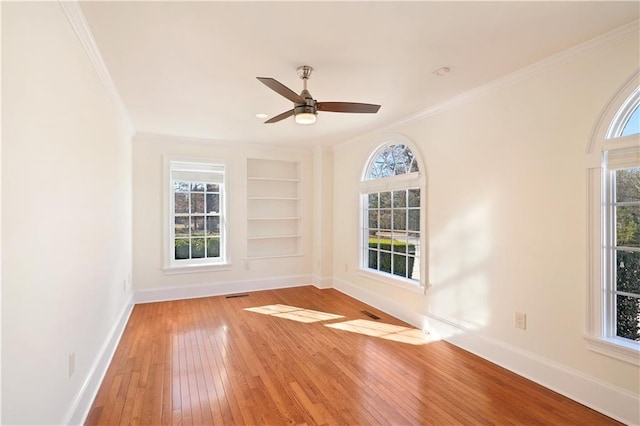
[(602, 41), (78, 22)]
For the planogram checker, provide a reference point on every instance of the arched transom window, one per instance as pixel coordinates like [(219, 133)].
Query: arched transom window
[(392, 192), (392, 160)]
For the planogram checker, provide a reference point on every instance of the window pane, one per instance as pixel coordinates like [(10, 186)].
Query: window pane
[(197, 226), (373, 240), (181, 186), (373, 259), (373, 219), (385, 199), (182, 248), (373, 201), (181, 202), (213, 187), (197, 187), (399, 198), (197, 203), (399, 243), (628, 271), (627, 311), (414, 166), (197, 248), (213, 247), (400, 219), (632, 127), (213, 225), (384, 263), (400, 265), (414, 198), (628, 184), (385, 219), (628, 226), (181, 226), (414, 220), (213, 203)]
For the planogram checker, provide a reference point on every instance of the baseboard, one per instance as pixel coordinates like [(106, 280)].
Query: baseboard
[(220, 288), (392, 308), (79, 409), (322, 282), (603, 397)]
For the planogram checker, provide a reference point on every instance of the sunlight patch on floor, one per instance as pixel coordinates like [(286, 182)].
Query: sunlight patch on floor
[(396, 333), (293, 313)]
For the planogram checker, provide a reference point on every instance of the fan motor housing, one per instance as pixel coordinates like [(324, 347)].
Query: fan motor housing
[(301, 108), (308, 107)]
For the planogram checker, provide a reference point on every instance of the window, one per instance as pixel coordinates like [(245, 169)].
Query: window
[(613, 325), (196, 220), (392, 213)]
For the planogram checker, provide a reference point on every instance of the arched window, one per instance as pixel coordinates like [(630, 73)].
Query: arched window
[(392, 191), (614, 227)]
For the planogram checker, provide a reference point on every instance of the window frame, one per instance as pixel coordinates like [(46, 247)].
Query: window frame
[(406, 181), (600, 330), (170, 264)]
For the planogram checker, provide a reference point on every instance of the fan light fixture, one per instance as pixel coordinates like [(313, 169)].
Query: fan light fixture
[(305, 118)]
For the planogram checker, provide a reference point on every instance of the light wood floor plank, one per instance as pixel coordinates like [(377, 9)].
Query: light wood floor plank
[(209, 361)]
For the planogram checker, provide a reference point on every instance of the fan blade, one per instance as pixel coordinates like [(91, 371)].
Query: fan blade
[(347, 107), (281, 89), (279, 117)]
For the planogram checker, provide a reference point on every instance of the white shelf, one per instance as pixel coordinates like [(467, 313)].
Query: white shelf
[(278, 256), (273, 218), (274, 198), (273, 237), (270, 179)]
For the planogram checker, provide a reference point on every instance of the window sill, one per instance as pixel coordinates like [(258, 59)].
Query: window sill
[(404, 284), (175, 270), (622, 349)]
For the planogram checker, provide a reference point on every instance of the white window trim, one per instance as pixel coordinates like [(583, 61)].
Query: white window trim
[(597, 328), (397, 182), (169, 267)]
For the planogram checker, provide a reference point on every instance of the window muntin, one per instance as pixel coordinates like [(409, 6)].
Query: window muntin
[(196, 214), (391, 214)]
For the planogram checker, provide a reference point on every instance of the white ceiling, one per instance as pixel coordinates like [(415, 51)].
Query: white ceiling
[(189, 68)]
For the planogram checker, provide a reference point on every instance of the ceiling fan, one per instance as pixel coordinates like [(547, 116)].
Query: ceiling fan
[(305, 108)]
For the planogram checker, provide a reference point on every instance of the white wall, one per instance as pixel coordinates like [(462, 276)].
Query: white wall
[(506, 212), (151, 283), (66, 215)]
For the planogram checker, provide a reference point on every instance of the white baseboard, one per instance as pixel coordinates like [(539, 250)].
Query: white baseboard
[(79, 409), (610, 400), (322, 282), (220, 288)]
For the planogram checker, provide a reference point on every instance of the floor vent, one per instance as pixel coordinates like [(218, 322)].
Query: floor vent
[(370, 315), (233, 296)]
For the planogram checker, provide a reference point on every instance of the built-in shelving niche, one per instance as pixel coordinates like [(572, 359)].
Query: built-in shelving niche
[(274, 205)]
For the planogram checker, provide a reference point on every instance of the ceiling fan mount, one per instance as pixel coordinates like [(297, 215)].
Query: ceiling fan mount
[(304, 72), (305, 108)]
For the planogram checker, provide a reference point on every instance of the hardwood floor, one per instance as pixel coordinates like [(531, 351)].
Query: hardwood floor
[(211, 361)]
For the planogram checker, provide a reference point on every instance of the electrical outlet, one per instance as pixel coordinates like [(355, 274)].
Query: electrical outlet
[(521, 320), (72, 363)]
